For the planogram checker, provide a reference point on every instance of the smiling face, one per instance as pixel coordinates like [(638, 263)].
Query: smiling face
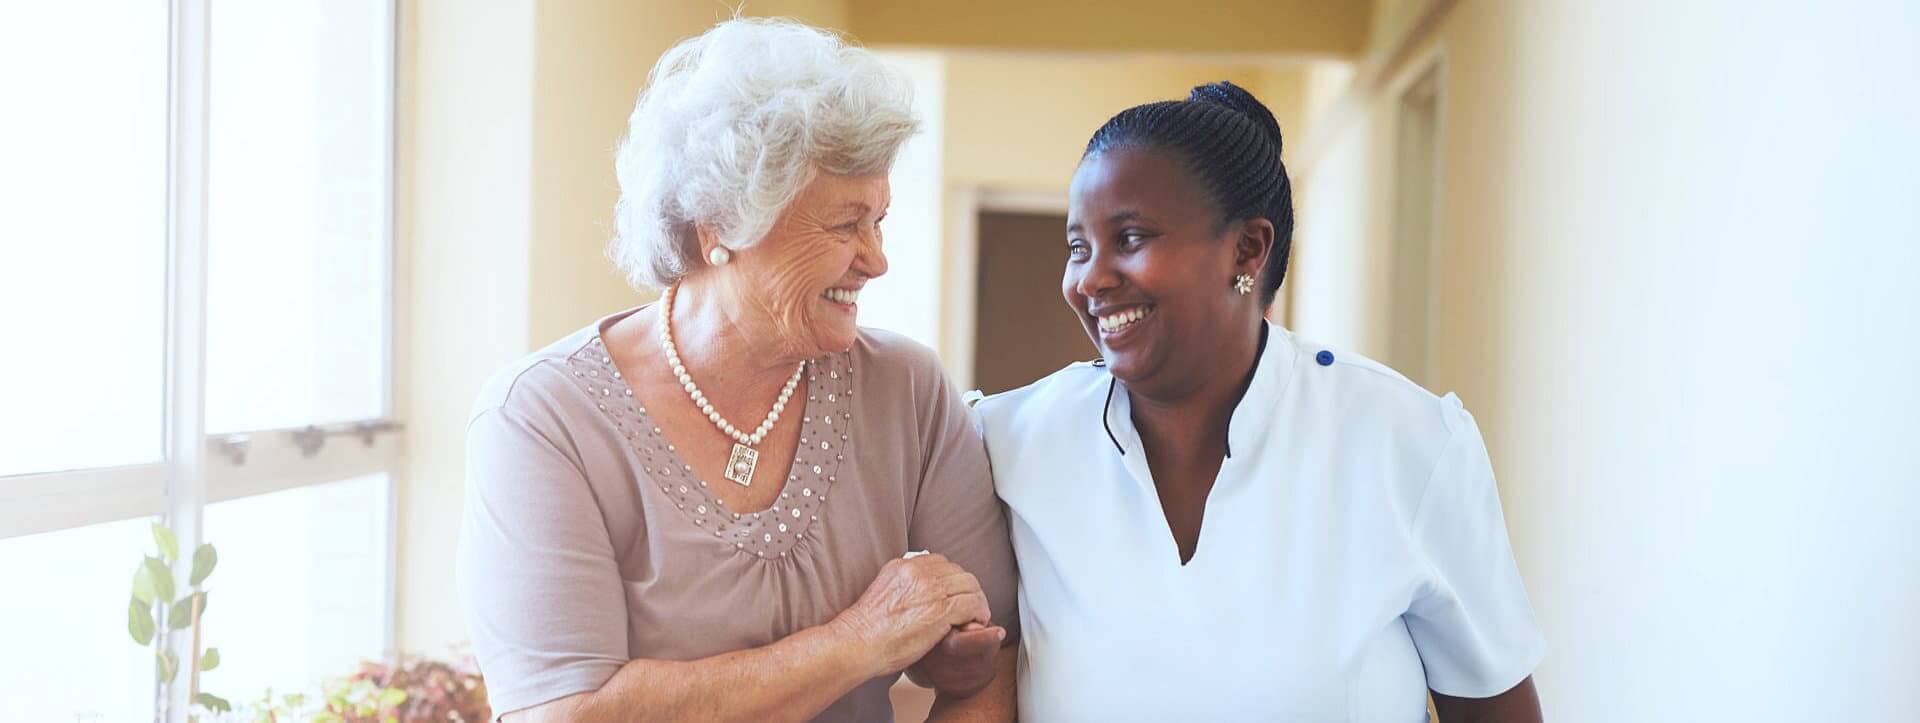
[(1150, 268), (805, 277)]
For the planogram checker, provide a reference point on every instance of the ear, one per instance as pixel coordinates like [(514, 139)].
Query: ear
[(708, 240), (1252, 241)]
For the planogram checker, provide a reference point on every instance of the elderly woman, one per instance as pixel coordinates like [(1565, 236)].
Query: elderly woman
[(712, 507)]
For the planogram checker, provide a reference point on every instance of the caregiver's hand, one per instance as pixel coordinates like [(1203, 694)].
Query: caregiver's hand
[(963, 662), (910, 606)]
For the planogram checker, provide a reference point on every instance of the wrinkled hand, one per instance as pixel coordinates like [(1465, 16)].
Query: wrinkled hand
[(963, 662), (910, 606)]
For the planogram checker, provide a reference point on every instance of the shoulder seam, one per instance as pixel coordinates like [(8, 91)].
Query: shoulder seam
[(507, 394), (1426, 488), (1393, 376)]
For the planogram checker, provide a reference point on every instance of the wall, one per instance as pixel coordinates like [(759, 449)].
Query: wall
[(1298, 27), (463, 223), (1673, 287), (1020, 121), (907, 298)]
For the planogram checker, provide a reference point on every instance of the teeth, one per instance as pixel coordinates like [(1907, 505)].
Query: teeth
[(1122, 320), (843, 296)]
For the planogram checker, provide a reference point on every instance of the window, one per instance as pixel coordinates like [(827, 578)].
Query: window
[(314, 565), (297, 261), (85, 235), (201, 258), (65, 613)]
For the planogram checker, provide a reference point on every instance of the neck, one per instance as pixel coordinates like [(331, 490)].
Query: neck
[(722, 348), (1192, 411)]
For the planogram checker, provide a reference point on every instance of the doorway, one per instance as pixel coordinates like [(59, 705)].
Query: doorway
[(1022, 329)]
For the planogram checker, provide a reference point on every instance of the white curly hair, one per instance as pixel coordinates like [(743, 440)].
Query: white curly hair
[(733, 123)]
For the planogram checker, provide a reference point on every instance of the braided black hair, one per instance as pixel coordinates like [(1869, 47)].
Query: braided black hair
[(1232, 146)]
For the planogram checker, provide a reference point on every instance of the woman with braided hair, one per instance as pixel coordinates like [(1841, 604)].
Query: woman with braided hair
[(1354, 556)]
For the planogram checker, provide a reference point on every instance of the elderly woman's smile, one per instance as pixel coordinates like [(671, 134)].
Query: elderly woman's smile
[(843, 297)]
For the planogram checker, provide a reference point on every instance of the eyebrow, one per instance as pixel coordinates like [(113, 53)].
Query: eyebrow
[(1118, 217)]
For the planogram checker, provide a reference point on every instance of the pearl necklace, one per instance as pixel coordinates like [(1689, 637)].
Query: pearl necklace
[(741, 462)]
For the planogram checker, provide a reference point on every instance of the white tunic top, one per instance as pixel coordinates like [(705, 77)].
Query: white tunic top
[(1352, 554)]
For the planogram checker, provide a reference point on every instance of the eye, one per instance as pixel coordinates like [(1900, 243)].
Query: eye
[(1132, 239), (1077, 249)]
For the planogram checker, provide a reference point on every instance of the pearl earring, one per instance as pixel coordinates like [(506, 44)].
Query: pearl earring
[(1243, 284), (719, 256)]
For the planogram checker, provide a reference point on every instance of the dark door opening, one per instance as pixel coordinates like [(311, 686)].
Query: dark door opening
[(1023, 330)]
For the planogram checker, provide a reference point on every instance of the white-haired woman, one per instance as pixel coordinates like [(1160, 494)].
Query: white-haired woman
[(706, 508)]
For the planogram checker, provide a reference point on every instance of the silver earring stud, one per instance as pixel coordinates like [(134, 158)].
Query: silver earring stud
[(1243, 284), (719, 256)]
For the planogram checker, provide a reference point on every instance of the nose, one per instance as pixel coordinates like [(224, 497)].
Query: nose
[(1095, 278), (870, 258)]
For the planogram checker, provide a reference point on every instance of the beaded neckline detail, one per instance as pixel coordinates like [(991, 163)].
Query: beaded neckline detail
[(771, 533)]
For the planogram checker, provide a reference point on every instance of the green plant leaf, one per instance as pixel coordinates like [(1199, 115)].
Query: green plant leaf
[(169, 666), (210, 659), (169, 545), (162, 578), (213, 703), (143, 584), (392, 697), (181, 616), (203, 562), (140, 622)]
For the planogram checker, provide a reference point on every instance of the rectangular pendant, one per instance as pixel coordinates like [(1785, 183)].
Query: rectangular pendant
[(741, 463)]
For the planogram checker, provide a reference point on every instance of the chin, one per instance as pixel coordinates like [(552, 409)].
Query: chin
[(833, 341), (1125, 368)]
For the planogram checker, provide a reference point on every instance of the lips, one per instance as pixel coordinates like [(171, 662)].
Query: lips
[(1116, 321)]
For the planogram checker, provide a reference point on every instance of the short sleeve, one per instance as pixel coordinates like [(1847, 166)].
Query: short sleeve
[(956, 513), (536, 570), (1473, 626)]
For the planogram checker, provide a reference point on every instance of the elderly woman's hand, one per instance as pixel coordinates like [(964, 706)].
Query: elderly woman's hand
[(910, 606)]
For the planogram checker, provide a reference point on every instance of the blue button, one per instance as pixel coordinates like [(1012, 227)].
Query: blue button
[(1324, 357)]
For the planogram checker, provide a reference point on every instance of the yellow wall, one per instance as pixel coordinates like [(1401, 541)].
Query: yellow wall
[(1299, 27), (1019, 122), (1673, 285)]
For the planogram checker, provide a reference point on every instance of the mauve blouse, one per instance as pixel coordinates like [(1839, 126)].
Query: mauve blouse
[(587, 542)]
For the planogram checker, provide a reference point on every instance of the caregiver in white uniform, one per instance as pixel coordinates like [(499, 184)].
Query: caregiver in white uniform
[(1221, 521)]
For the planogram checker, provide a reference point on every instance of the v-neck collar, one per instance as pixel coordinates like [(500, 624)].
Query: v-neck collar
[(1272, 369)]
